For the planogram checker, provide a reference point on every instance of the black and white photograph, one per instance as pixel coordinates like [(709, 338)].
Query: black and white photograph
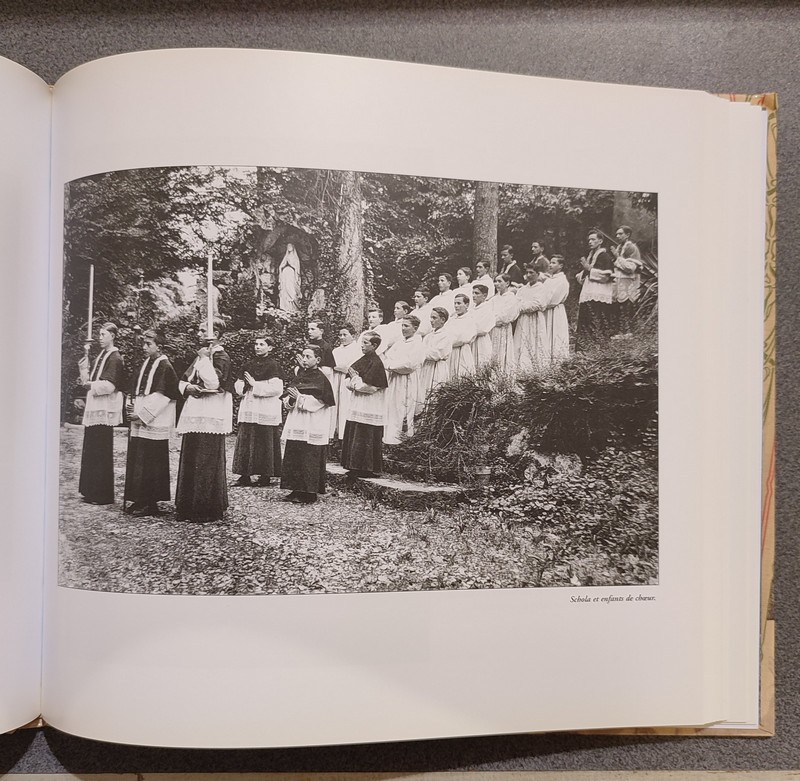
[(285, 381)]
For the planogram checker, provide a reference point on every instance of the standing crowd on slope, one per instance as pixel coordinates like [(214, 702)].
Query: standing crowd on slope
[(366, 392)]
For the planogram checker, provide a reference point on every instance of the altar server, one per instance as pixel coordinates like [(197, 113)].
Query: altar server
[(506, 312), (103, 411), (206, 418), (557, 289), (403, 361), (463, 333), (309, 400), (348, 351), (531, 347), (483, 315), (362, 445), (258, 439), (151, 411), (437, 347)]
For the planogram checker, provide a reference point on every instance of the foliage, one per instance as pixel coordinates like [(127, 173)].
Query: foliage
[(647, 305), (342, 544), (608, 392), (457, 431), (610, 509)]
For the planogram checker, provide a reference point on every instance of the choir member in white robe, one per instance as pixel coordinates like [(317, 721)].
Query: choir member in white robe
[(463, 279), (483, 315), (205, 420), (391, 333), (403, 361), (531, 347), (102, 412), (258, 435), (151, 411), (348, 351), (437, 346), (376, 325), (422, 312), (462, 332), (446, 296), (506, 312), (309, 401), (483, 277), (557, 288), (362, 445)]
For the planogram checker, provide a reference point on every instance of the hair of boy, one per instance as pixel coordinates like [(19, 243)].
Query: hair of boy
[(442, 312), (406, 306), (314, 348), (467, 270), (349, 327), (463, 297), (217, 326), (626, 229), (422, 292), (507, 248), (541, 265), (505, 277), (448, 277), (559, 258), (481, 288), (413, 319), (153, 336), (373, 338), (111, 328), (262, 337), (318, 324)]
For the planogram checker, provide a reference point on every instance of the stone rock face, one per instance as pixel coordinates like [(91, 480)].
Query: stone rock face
[(404, 494), (546, 465)]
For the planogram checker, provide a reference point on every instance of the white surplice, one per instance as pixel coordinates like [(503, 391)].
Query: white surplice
[(506, 311), (437, 347), (462, 332), (557, 288), (483, 316), (531, 347), (403, 361), (343, 357)]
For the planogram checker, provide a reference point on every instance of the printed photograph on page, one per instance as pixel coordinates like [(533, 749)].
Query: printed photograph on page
[(304, 381)]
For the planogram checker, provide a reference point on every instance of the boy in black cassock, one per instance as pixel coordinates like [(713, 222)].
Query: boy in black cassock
[(258, 442), (151, 410)]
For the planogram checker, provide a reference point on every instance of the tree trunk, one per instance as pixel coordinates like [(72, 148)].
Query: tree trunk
[(484, 230), (351, 288)]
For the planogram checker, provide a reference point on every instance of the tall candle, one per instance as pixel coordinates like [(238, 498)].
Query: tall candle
[(209, 299), (91, 303)]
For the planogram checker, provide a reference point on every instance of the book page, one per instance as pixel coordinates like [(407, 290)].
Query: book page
[(24, 230), (141, 647)]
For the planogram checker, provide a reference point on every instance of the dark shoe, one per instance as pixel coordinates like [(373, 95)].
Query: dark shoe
[(264, 482), (307, 499), (292, 497), (243, 481)]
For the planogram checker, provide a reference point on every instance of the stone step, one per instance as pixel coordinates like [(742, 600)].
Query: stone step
[(404, 494)]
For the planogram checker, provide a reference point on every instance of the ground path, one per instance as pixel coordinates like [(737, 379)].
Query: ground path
[(343, 543)]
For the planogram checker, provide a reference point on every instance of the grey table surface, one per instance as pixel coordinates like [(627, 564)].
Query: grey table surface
[(716, 46)]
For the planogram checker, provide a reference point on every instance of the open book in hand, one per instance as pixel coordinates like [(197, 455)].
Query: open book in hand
[(535, 307)]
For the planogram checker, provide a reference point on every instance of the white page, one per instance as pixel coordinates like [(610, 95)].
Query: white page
[(233, 671), (24, 230)]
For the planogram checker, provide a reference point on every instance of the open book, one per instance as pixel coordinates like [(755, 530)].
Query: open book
[(261, 189)]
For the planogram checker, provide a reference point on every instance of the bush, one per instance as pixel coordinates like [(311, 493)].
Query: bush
[(592, 398), (604, 520)]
